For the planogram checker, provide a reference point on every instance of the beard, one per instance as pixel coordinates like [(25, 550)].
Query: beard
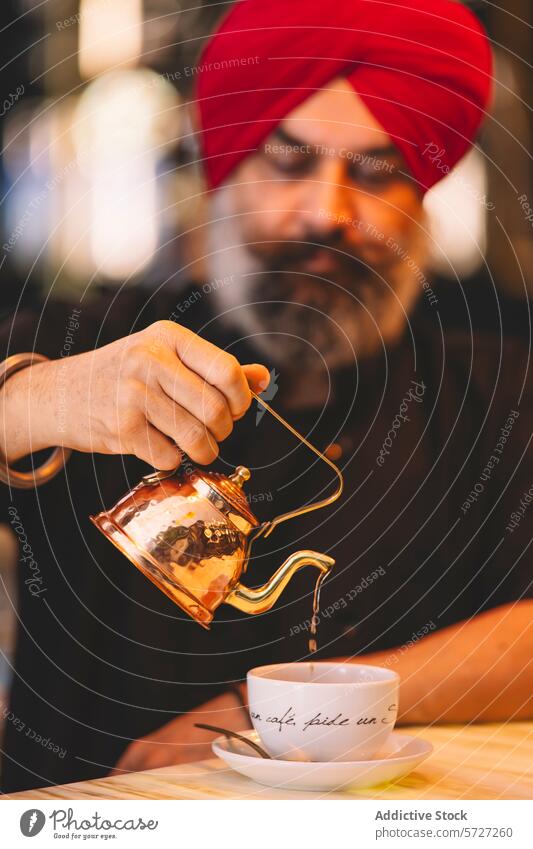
[(321, 322)]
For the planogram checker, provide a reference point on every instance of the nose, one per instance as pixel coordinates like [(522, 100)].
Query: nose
[(330, 204)]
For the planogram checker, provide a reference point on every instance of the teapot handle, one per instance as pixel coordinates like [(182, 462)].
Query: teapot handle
[(267, 527)]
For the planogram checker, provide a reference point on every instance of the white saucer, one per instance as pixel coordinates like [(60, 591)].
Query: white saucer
[(401, 754)]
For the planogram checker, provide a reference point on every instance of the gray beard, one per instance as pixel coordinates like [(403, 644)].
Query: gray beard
[(294, 319)]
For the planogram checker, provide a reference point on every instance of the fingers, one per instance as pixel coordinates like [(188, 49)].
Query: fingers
[(179, 389), (190, 434), (152, 446), (258, 377), (205, 402), (214, 365)]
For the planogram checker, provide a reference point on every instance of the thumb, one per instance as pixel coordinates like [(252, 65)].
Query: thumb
[(258, 377)]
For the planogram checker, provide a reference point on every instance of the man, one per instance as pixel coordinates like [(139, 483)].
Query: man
[(317, 168)]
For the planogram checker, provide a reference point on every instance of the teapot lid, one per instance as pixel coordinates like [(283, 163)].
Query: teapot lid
[(227, 495)]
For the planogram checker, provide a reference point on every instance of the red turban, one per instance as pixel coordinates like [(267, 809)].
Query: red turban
[(422, 67)]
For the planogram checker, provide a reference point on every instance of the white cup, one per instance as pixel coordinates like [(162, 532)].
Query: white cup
[(322, 711)]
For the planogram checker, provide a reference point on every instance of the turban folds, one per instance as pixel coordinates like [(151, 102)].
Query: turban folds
[(422, 67)]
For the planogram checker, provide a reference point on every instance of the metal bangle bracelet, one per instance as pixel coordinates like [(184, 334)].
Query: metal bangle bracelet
[(58, 457)]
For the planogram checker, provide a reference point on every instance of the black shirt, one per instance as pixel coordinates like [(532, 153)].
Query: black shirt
[(435, 435)]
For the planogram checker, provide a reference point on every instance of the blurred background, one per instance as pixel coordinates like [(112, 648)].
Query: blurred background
[(100, 184)]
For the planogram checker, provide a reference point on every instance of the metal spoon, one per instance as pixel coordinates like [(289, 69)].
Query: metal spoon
[(230, 734)]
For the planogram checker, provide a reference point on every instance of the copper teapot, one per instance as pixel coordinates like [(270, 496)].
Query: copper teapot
[(190, 532)]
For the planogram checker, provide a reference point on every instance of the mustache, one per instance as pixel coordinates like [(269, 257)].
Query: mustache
[(290, 252), (279, 295)]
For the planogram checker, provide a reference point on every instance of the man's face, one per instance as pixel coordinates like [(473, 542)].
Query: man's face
[(320, 233)]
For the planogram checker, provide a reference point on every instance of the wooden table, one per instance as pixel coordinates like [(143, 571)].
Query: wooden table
[(469, 762)]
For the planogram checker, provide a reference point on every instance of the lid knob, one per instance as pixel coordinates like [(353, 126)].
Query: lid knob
[(240, 475)]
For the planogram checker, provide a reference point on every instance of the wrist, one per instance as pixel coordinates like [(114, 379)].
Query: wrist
[(25, 412)]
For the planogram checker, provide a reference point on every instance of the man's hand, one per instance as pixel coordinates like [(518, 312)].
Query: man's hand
[(144, 395), (179, 741)]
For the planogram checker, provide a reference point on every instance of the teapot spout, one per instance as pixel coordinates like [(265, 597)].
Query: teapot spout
[(263, 598)]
